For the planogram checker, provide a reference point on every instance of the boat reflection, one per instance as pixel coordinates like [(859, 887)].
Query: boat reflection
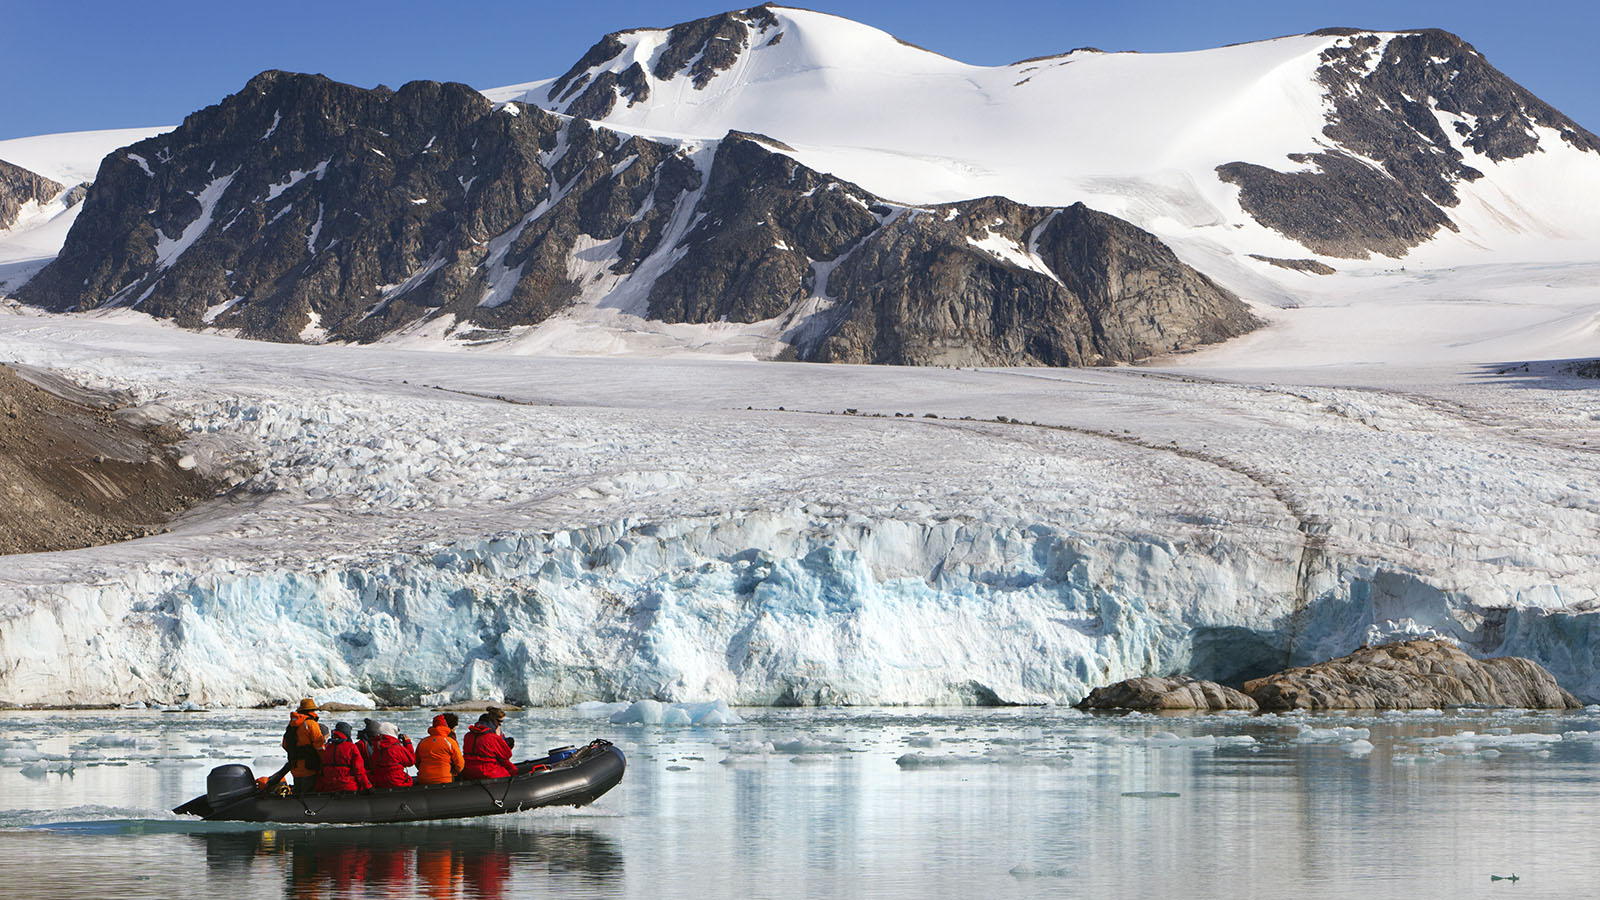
[(458, 862)]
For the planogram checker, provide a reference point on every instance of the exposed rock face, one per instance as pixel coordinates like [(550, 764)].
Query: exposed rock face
[(304, 209), (1392, 99), (19, 186), (301, 208), (1420, 674), (696, 50), (74, 472), (985, 281), (994, 282), (1152, 692), (1310, 266)]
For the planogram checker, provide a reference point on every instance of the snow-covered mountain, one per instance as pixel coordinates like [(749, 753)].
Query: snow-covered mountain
[(1343, 143), (1289, 173)]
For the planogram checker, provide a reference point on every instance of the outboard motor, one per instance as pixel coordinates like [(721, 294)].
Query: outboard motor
[(228, 783)]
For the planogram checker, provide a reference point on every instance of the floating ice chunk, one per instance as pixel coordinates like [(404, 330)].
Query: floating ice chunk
[(924, 740), (344, 696), (1235, 740), (137, 704), (1413, 713), (806, 745), (654, 712), (922, 761), (1468, 741), (1358, 747), (1580, 735), (1338, 734), (642, 712), (1490, 753)]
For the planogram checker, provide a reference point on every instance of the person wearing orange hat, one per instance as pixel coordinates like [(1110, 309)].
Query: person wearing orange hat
[(303, 740), (439, 758)]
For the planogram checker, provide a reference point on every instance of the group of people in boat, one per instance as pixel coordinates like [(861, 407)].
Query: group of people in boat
[(379, 755)]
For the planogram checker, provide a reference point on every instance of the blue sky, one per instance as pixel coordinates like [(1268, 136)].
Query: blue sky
[(73, 66)]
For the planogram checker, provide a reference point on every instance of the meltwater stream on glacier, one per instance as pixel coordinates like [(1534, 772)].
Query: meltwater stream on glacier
[(828, 802)]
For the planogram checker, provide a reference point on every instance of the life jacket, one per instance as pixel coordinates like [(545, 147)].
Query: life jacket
[(439, 757), (303, 738), (389, 762), (487, 754), (342, 769)]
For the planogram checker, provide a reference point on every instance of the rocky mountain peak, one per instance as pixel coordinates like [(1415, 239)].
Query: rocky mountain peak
[(1430, 111), (19, 187)]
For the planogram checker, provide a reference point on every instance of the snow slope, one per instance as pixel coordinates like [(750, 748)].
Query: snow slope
[(1139, 136), (443, 526)]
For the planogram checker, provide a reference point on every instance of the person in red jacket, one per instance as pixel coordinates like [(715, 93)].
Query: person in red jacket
[(391, 757), (488, 755), (342, 768)]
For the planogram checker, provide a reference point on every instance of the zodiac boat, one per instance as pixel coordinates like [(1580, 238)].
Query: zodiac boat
[(575, 779)]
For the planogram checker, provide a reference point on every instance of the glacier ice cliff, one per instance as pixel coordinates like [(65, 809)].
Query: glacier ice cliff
[(775, 607)]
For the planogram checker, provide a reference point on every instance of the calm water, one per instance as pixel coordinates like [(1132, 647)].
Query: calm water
[(994, 803)]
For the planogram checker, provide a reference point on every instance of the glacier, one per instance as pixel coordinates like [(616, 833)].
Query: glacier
[(427, 528)]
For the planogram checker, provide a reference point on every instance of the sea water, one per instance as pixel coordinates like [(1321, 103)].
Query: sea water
[(854, 803)]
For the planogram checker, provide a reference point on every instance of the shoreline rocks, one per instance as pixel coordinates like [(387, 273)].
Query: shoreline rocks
[(1418, 674), (1155, 692)]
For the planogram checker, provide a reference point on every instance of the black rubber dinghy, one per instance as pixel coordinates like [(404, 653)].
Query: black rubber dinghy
[(232, 795)]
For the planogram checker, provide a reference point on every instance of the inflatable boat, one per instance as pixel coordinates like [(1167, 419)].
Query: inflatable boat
[(565, 778)]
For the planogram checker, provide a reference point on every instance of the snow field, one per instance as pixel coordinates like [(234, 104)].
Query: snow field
[(426, 527)]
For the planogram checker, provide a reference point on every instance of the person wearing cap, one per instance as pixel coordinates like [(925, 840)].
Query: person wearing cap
[(342, 768), (391, 757), (487, 753), (439, 758), (303, 740), (367, 740)]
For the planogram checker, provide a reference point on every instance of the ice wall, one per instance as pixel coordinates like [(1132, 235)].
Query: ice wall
[(775, 607)]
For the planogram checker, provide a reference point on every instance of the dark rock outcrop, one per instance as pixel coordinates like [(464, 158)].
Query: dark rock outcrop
[(986, 281), (1383, 112), (696, 50), (1309, 266), (1175, 693), (19, 186), (1419, 674), (304, 209), (301, 207)]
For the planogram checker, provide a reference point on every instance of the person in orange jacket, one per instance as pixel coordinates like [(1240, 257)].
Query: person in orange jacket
[(304, 739), (439, 758), (342, 768)]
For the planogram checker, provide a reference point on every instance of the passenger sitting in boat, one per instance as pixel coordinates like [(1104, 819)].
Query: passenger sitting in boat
[(391, 758), (488, 755), (342, 769), (303, 739), (439, 758), (367, 740)]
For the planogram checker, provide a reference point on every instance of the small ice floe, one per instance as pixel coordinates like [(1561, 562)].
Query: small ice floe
[(184, 707), (654, 712), (925, 741), (343, 698), (1339, 734), (1358, 747), (1472, 742)]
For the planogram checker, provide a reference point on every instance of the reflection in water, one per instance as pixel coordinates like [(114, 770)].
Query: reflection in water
[(450, 862)]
